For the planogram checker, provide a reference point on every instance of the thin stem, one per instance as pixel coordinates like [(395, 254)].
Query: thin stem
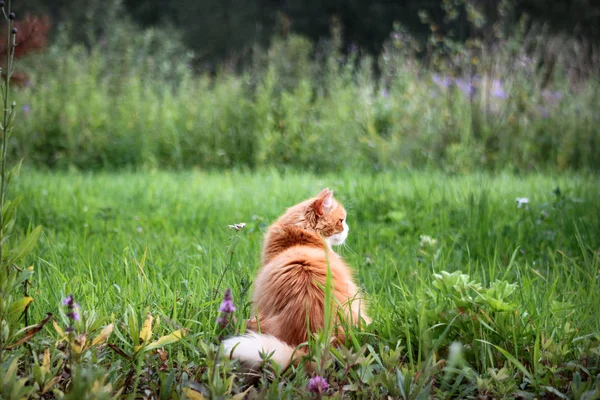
[(229, 262), (5, 129)]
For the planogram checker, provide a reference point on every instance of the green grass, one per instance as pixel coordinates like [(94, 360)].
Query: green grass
[(130, 243), (123, 105)]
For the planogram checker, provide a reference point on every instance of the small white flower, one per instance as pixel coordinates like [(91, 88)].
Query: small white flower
[(455, 350), (140, 229), (427, 241), (237, 227), (522, 201)]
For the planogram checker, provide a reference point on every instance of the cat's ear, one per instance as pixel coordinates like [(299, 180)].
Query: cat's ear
[(322, 205)]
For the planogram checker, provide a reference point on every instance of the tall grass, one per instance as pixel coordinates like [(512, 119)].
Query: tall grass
[(442, 261), (528, 103)]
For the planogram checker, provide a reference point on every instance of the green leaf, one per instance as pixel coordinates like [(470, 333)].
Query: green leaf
[(18, 307), (512, 359), (25, 246)]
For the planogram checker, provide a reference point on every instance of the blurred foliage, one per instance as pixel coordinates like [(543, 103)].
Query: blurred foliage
[(525, 100), (228, 30)]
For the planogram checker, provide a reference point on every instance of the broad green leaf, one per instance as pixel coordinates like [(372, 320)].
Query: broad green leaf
[(18, 307), (25, 246), (512, 359)]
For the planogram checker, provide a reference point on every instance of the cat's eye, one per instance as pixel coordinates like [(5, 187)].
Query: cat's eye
[(342, 220)]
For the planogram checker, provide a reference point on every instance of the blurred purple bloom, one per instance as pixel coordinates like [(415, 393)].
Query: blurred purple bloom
[(465, 86), (222, 321), (72, 313), (318, 384), (498, 90), (74, 316), (552, 96), (543, 111), (68, 301), (443, 81), (26, 109), (227, 307), (385, 93)]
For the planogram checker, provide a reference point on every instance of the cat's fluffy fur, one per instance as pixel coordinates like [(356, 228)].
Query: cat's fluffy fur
[(288, 290)]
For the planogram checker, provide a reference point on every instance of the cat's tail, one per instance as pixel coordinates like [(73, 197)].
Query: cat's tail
[(247, 349)]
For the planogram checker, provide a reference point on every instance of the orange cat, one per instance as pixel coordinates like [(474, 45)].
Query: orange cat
[(288, 291)]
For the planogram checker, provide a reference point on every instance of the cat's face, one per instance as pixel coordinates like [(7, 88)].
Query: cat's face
[(323, 215)]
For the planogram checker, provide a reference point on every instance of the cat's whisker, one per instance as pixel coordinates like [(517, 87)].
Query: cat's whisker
[(348, 248)]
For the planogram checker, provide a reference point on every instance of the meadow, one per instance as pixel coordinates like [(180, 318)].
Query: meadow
[(480, 285), (468, 169)]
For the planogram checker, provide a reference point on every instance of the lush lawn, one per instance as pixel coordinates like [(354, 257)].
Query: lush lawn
[(130, 243)]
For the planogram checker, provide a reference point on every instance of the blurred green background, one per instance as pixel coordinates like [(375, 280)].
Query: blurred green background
[(455, 85)]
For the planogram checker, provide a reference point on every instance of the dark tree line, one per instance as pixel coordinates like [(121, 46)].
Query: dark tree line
[(220, 29)]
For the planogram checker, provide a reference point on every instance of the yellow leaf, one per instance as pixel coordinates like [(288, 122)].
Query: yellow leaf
[(103, 335), (78, 344), (59, 330), (19, 306), (146, 332), (241, 396), (167, 339), (51, 383), (46, 361), (192, 394)]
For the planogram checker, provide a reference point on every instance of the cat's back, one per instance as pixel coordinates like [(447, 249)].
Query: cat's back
[(281, 238)]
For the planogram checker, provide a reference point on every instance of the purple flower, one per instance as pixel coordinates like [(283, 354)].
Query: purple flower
[(227, 307), (318, 384), (72, 313), (552, 96), (222, 321), (543, 111), (26, 109), (498, 90), (385, 93), (443, 81), (68, 301), (465, 86), (74, 316)]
